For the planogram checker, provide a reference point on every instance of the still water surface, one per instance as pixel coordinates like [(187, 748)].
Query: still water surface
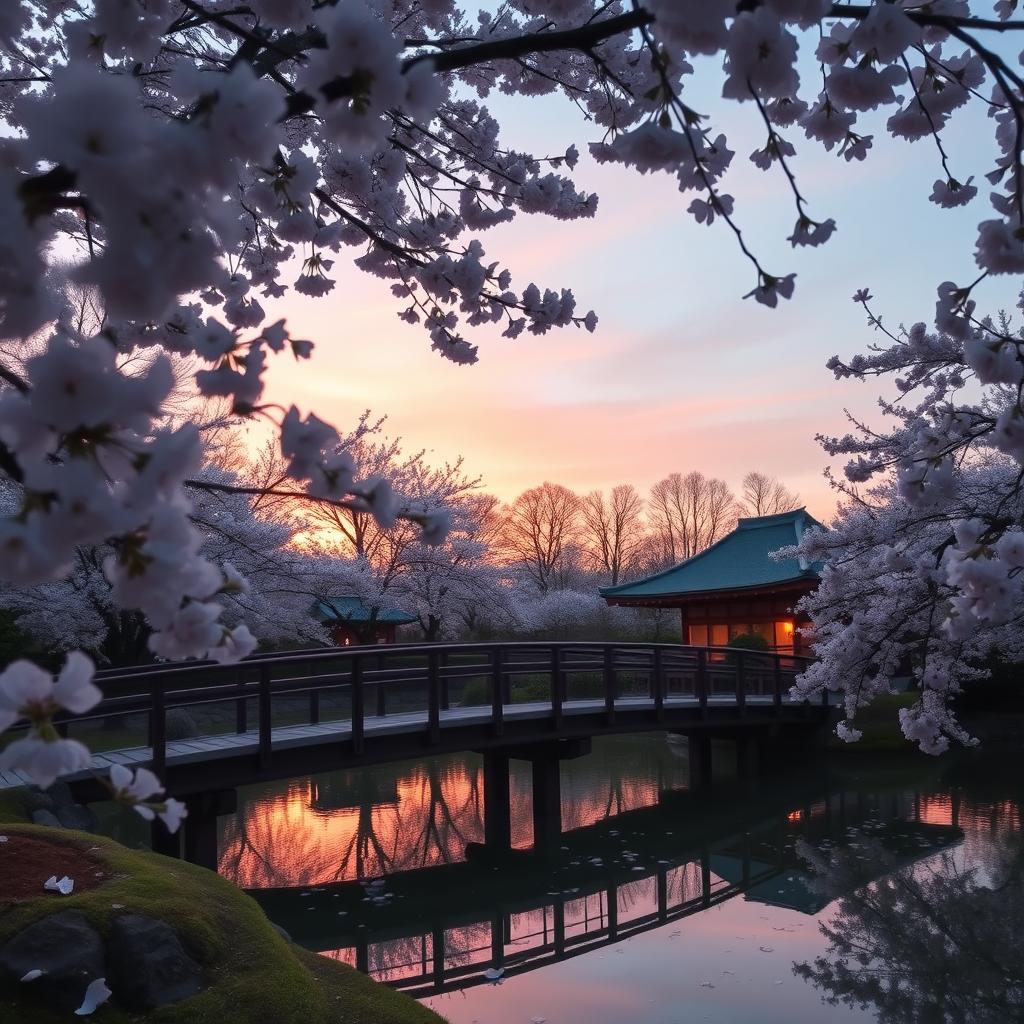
[(748, 902)]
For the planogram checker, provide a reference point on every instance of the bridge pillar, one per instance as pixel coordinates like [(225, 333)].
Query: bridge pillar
[(437, 956), (497, 805), (611, 903), (547, 806), (700, 760), (498, 940), (748, 756), (162, 841), (200, 826)]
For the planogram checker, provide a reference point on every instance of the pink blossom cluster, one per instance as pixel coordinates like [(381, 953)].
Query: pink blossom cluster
[(923, 585)]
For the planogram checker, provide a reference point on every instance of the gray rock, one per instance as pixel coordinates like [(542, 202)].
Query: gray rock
[(78, 817), (180, 725), (60, 794), (63, 945), (35, 799), (45, 817), (147, 966)]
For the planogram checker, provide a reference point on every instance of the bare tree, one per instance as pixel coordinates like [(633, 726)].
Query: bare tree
[(539, 534), (765, 495), (613, 530), (689, 513)]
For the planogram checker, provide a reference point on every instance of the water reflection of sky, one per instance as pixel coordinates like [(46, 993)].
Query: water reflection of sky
[(666, 977), (307, 845)]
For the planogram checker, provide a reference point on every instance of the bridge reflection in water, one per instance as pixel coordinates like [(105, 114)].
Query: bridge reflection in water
[(638, 851)]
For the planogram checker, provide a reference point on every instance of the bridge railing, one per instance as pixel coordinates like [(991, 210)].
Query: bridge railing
[(524, 937), (190, 701)]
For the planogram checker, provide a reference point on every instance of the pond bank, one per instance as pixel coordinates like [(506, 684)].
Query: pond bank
[(250, 972)]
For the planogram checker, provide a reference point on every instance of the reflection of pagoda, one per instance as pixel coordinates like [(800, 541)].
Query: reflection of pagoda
[(351, 791), (904, 843)]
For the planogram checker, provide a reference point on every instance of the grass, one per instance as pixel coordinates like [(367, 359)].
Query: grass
[(254, 974)]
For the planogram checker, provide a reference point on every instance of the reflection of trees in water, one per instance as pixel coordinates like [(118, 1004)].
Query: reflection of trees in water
[(283, 840), (631, 776), (331, 830), (935, 943), (980, 820), (437, 817)]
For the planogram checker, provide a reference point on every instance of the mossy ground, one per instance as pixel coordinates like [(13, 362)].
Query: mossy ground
[(255, 976)]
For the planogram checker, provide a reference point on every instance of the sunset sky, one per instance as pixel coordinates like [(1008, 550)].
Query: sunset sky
[(682, 373)]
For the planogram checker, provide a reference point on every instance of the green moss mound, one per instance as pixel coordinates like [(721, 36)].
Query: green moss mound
[(254, 975)]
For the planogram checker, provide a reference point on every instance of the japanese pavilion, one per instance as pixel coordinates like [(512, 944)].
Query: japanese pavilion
[(734, 586), (351, 622)]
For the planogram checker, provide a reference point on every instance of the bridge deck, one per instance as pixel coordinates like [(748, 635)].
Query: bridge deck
[(401, 701), (220, 747)]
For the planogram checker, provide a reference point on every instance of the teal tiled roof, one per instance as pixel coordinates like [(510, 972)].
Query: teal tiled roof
[(739, 560), (351, 609)]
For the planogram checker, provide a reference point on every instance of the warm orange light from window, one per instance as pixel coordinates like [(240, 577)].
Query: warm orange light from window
[(787, 627), (795, 816)]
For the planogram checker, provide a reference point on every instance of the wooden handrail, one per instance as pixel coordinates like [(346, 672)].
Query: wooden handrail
[(191, 669), (430, 670)]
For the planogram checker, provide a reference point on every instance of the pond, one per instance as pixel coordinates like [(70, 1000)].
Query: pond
[(896, 891)]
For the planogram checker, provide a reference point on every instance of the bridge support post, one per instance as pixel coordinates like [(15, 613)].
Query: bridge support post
[(162, 841), (611, 902), (559, 927), (497, 805), (748, 756), (700, 761), (438, 954), (547, 805), (498, 940), (200, 826)]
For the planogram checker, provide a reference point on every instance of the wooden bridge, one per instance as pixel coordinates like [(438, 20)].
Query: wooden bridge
[(298, 713)]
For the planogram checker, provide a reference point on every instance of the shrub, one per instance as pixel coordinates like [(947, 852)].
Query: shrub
[(749, 642)]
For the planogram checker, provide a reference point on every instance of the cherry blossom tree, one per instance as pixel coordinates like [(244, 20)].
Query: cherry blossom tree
[(923, 561), (407, 478), (456, 586), (189, 153), (275, 583)]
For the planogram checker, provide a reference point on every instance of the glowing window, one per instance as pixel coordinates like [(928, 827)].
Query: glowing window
[(784, 633)]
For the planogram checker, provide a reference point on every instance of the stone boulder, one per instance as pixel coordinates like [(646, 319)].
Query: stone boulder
[(147, 966), (64, 946), (60, 793), (44, 817), (76, 816)]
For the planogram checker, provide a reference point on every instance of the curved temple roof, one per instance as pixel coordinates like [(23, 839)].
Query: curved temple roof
[(351, 609), (738, 561)]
